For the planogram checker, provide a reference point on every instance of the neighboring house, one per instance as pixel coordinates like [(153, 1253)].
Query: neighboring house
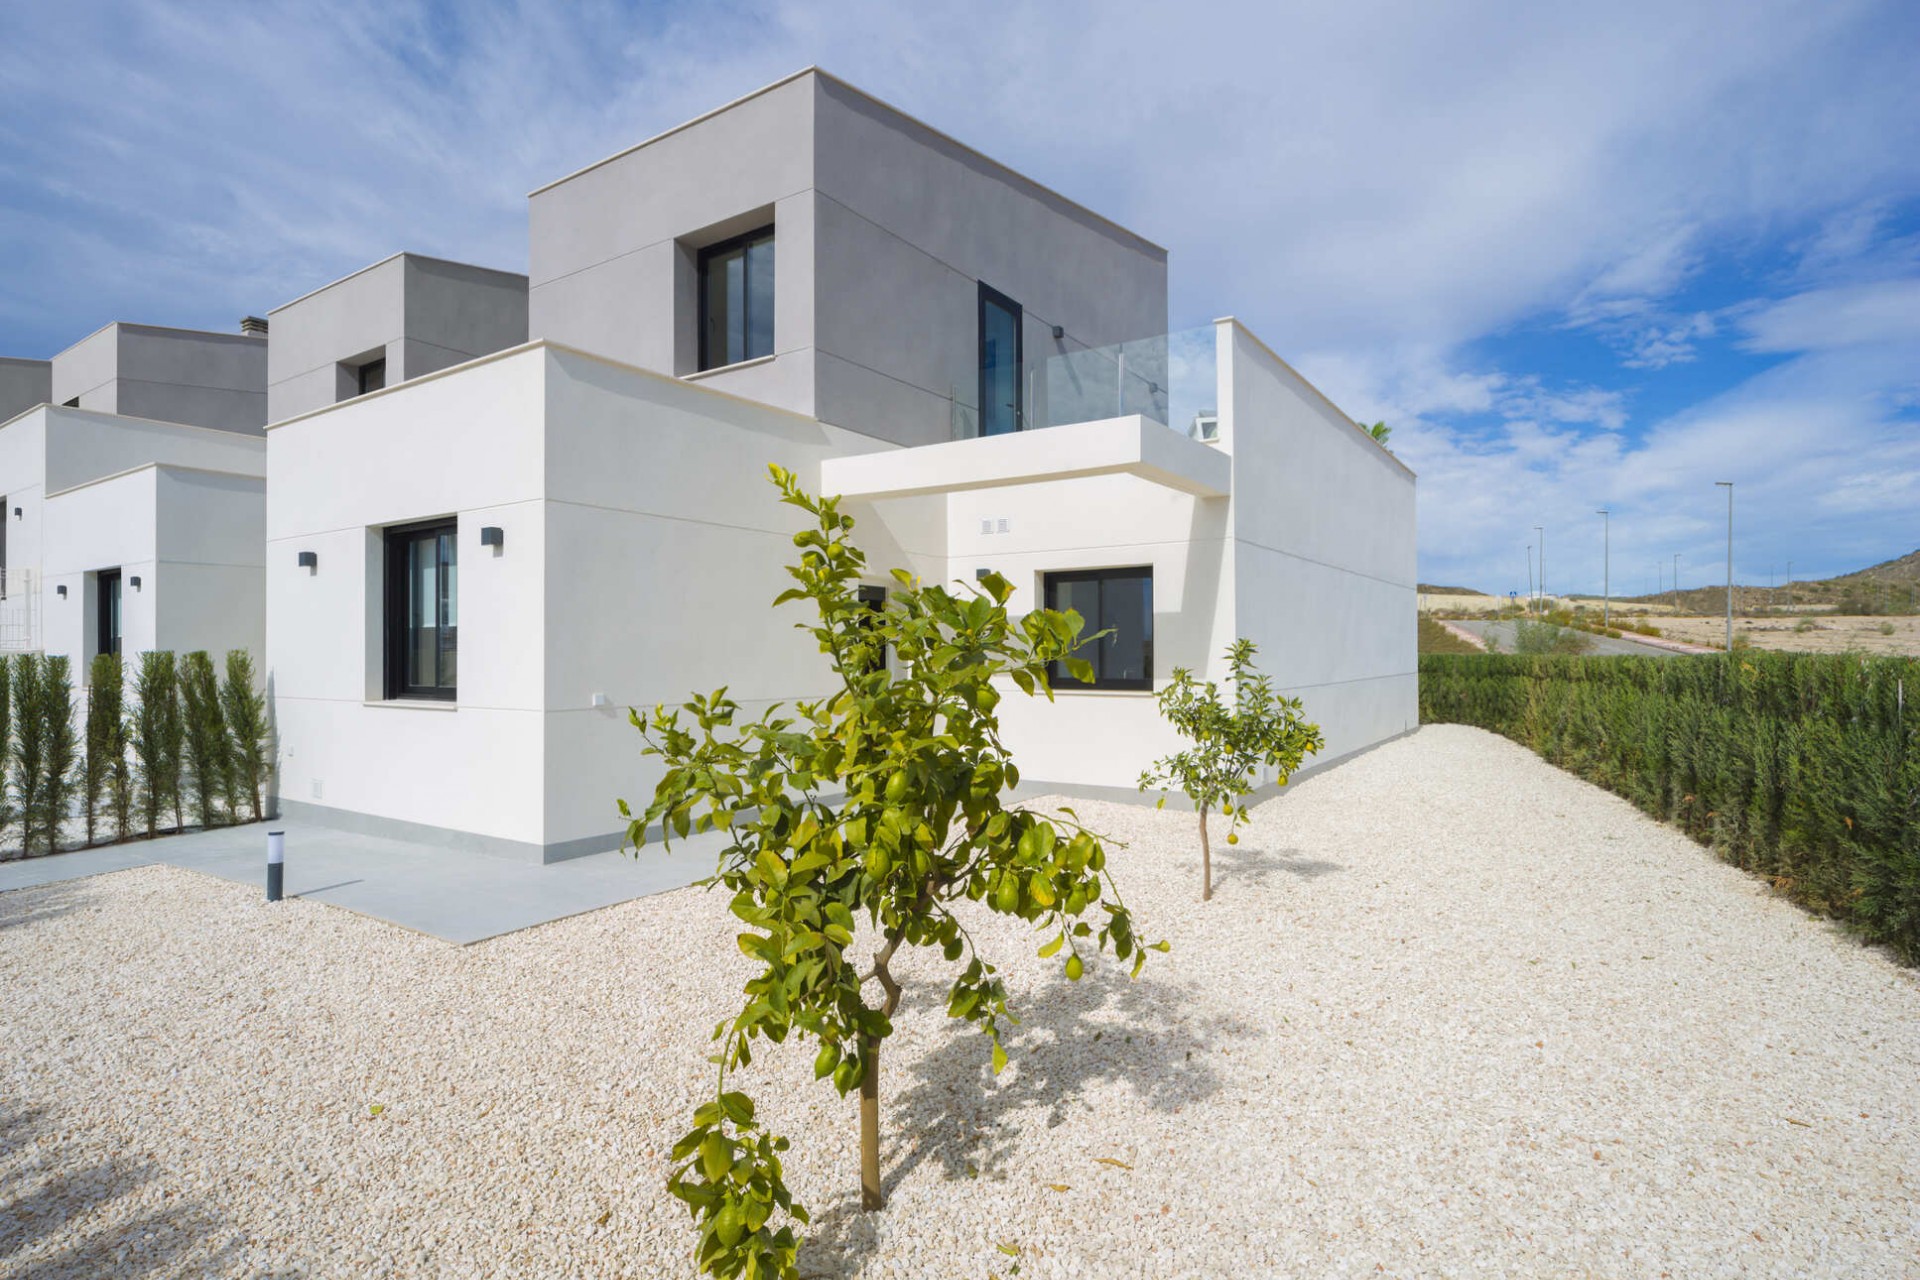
[(133, 502), (471, 577), (128, 534), (403, 316), (23, 384), (203, 379)]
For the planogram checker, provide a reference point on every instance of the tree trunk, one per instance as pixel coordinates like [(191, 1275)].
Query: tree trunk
[(1206, 860), (871, 1196)]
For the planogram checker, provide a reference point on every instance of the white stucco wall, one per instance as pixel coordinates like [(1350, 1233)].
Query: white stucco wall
[(23, 384), (193, 538), (1324, 551)]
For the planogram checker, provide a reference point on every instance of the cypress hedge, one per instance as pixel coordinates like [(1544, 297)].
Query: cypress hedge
[(1803, 768)]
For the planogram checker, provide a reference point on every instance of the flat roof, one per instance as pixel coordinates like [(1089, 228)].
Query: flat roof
[(392, 257), (160, 328), (887, 106)]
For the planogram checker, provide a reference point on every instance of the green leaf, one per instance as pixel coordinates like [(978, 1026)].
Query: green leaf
[(999, 1058), (716, 1157), (1053, 948)]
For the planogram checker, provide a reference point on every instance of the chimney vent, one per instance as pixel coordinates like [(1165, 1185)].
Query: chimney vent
[(253, 326)]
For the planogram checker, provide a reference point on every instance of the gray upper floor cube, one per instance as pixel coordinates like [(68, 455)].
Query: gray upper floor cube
[(400, 318), (23, 384), (191, 376), (811, 247)]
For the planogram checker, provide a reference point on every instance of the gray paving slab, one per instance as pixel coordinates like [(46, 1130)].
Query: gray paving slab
[(456, 896)]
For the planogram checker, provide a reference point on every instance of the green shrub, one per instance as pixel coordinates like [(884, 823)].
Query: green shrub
[(106, 740), (28, 774), (209, 753), (246, 710), (1547, 637), (1802, 768), (62, 747), (156, 738)]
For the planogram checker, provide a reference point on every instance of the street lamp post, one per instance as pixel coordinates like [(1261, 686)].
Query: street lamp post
[(1728, 486), (1529, 579), (1543, 566), (1674, 586), (1606, 587), (1789, 586)]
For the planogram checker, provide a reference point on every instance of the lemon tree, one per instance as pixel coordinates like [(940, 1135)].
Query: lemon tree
[(1232, 742), (876, 809)]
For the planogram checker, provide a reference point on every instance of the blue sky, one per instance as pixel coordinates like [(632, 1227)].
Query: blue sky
[(1578, 256)]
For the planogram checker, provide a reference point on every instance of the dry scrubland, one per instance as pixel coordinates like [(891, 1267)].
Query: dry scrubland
[(1451, 1012), (1826, 634)]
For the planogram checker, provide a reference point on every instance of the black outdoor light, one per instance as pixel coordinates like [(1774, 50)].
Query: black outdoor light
[(1059, 332), (980, 575), (135, 580), (61, 591), (493, 535), (276, 864), (310, 560)]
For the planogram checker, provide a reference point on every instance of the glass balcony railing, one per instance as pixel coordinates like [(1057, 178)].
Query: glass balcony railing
[(1170, 379)]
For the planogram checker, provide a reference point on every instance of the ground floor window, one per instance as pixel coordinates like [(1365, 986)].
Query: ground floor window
[(423, 610), (1119, 602), (107, 611)]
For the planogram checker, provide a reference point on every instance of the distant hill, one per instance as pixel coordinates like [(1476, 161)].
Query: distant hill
[(1430, 589), (1893, 586)]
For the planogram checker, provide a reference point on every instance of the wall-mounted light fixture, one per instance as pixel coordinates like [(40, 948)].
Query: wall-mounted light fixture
[(493, 535), (310, 560), (135, 580), (980, 575), (61, 591), (1059, 332)]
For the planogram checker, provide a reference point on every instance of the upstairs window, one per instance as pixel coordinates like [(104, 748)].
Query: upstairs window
[(1119, 602), (1002, 408), (736, 300), (423, 610)]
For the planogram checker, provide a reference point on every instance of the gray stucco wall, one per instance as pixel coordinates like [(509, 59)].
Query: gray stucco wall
[(202, 379), (883, 230), (23, 384), (420, 314), (910, 224)]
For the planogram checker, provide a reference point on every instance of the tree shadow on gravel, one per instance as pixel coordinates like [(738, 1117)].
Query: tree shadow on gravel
[(1151, 1038), (32, 903), (1246, 864), (45, 1190)]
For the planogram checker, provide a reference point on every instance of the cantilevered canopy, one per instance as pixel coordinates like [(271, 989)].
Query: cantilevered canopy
[(1133, 445)]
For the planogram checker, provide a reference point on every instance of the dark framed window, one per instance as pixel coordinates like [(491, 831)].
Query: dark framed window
[(1001, 401), (372, 375), (107, 611), (423, 610), (736, 299), (875, 598), (1117, 601)]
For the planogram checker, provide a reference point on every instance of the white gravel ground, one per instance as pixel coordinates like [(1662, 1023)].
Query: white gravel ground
[(1451, 1012)]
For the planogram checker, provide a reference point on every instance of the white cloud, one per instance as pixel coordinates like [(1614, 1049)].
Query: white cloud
[(1886, 311)]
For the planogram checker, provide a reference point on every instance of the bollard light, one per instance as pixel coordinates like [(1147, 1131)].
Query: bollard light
[(276, 863)]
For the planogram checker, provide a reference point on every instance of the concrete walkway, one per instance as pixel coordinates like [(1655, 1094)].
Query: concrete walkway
[(1602, 646), (456, 896)]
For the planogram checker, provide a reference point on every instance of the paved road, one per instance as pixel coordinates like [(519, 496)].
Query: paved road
[(1502, 633)]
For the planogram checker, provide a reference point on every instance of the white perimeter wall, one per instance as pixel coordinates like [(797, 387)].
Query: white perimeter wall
[(1324, 556)]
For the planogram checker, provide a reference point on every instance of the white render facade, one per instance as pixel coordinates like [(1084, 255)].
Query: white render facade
[(471, 576)]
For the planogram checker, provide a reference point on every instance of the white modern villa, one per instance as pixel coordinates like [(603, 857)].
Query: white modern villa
[(133, 495), (500, 510)]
